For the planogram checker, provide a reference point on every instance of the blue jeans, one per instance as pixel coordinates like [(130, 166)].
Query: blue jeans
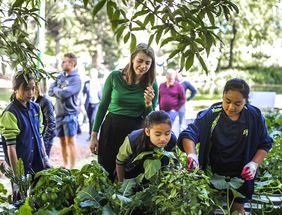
[(91, 114), (172, 115), (181, 114)]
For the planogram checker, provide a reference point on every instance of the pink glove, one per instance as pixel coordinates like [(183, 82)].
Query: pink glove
[(249, 171), (192, 161)]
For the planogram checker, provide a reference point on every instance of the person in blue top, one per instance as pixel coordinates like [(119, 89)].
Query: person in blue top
[(233, 139), (186, 86), (21, 127), (92, 93), (155, 135), (66, 90)]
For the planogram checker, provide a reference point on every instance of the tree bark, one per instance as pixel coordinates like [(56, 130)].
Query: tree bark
[(57, 50)]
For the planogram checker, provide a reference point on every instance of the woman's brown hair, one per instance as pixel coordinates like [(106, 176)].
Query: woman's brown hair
[(149, 77)]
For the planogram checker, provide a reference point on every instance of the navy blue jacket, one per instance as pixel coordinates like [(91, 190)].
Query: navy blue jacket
[(134, 168), (49, 123), (21, 127), (200, 131)]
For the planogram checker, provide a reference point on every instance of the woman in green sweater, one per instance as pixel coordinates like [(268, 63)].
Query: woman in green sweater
[(128, 96)]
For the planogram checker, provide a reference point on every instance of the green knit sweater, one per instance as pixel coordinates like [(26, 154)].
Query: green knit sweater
[(123, 99)]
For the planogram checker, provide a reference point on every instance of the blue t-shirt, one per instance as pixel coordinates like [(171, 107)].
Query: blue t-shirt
[(228, 145)]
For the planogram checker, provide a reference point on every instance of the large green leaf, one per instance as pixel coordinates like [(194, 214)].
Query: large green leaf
[(236, 182), (127, 187), (139, 13), (123, 198), (151, 39), (126, 37), (219, 182), (159, 35), (202, 62), (167, 40), (236, 194), (173, 53), (211, 17), (189, 61), (85, 3), (88, 196), (98, 7), (107, 210), (110, 9), (182, 61), (25, 209), (119, 32), (133, 43), (142, 155), (151, 167)]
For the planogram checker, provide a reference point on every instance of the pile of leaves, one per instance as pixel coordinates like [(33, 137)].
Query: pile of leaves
[(94, 190), (55, 188)]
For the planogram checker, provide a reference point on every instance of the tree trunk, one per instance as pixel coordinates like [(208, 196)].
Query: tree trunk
[(97, 57), (3, 70), (232, 42), (57, 50), (218, 66)]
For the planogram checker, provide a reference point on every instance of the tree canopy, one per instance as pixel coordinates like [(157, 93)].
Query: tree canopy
[(192, 26)]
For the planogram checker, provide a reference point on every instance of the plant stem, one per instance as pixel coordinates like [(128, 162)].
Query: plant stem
[(228, 206)]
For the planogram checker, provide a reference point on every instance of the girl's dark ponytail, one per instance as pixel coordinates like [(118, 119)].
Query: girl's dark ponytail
[(13, 96)]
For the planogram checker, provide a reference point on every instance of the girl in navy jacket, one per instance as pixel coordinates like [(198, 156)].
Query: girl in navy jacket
[(233, 139), (21, 127)]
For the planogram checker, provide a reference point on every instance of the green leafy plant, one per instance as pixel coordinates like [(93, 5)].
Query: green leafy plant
[(3, 193), (94, 189), (55, 189), (229, 184), (22, 180)]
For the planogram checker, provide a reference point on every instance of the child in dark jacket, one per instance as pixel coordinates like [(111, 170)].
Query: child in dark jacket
[(233, 139), (156, 135), (49, 123)]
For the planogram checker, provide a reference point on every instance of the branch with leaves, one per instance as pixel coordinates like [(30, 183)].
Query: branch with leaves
[(191, 26)]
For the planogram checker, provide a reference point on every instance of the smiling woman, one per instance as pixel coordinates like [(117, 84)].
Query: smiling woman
[(128, 96)]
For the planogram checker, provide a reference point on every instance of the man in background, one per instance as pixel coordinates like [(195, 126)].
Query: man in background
[(66, 90)]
